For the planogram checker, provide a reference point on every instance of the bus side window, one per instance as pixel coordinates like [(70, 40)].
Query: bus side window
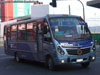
[(8, 34), (22, 32), (8, 37), (5, 33), (14, 33), (47, 35), (30, 32), (35, 29), (40, 28)]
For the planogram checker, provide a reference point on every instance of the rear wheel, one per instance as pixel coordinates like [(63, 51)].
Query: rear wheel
[(17, 58), (85, 65)]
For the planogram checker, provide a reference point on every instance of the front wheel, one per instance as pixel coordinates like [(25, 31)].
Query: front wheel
[(50, 64), (85, 65)]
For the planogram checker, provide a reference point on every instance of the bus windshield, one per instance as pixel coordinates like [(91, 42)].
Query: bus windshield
[(69, 29)]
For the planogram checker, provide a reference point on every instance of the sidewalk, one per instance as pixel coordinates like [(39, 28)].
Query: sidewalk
[(1, 41)]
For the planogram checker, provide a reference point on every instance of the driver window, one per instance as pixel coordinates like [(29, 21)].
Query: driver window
[(47, 35)]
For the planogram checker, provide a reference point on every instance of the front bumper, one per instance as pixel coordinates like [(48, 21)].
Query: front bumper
[(72, 59)]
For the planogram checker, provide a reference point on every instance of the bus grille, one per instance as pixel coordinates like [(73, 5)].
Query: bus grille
[(75, 51)]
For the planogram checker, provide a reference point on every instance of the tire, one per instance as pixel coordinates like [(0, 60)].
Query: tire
[(17, 58), (85, 65), (50, 64)]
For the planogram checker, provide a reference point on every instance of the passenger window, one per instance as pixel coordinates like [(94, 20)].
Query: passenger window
[(13, 32), (5, 34), (8, 34), (14, 28), (21, 32), (30, 32), (40, 28), (8, 29), (34, 27)]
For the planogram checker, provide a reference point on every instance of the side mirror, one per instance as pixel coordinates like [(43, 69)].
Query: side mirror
[(45, 30)]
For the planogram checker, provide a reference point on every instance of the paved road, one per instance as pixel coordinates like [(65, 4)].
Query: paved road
[(10, 67)]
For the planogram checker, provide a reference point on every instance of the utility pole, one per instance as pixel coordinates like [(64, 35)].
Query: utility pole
[(69, 10), (54, 4), (83, 9)]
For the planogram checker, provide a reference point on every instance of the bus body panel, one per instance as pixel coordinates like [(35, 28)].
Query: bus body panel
[(39, 49)]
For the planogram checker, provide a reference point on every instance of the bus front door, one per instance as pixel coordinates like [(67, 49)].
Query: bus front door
[(39, 43)]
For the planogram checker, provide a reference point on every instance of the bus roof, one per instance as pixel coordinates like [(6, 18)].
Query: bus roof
[(47, 16), (62, 15)]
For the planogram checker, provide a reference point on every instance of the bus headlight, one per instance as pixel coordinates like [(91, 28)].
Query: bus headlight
[(93, 57), (93, 48), (59, 49)]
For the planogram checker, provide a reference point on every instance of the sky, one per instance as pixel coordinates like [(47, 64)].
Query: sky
[(92, 14)]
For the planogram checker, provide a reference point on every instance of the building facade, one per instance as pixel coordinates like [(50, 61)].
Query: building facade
[(13, 10)]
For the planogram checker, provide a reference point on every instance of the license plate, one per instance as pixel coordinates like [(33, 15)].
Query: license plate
[(79, 60)]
